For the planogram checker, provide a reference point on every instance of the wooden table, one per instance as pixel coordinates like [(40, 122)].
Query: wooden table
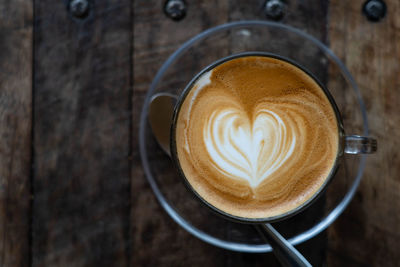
[(72, 189)]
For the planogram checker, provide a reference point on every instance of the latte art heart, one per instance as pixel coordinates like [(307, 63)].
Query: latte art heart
[(243, 150)]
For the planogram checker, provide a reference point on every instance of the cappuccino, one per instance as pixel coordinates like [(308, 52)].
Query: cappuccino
[(255, 137)]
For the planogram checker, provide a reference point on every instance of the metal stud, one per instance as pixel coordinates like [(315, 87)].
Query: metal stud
[(274, 9), (374, 10), (79, 8), (175, 9)]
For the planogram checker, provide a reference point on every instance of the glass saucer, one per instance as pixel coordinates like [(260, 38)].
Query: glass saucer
[(204, 49)]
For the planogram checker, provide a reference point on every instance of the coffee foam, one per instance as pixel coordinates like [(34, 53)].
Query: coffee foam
[(256, 137)]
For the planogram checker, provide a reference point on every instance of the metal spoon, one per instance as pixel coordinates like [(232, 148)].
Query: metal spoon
[(160, 117), (286, 254)]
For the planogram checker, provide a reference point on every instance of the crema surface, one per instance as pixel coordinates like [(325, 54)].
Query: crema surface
[(256, 137)]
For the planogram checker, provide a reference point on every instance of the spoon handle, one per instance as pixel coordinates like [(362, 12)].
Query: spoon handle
[(283, 250)]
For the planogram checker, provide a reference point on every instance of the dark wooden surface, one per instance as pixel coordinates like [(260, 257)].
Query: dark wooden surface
[(82, 136), (368, 233), (15, 131), (72, 189)]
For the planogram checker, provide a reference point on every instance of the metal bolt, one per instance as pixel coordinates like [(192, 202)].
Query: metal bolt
[(79, 8), (175, 9), (274, 9), (374, 10)]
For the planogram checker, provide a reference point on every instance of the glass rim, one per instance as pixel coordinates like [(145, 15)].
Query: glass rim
[(231, 245)]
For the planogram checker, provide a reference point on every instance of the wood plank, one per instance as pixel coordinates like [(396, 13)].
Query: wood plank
[(311, 17), (155, 38), (15, 131), (82, 120), (153, 231), (367, 234)]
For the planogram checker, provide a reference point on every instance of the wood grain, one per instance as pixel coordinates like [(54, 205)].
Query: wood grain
[(82, 121), (15, 131), (71, 92), (367, 234), (153, 231), (155, 38)]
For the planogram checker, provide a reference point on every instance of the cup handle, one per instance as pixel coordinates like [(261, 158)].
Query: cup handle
[(356, 144)]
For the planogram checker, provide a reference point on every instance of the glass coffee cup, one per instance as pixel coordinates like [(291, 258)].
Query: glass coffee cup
[(352, 144)]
